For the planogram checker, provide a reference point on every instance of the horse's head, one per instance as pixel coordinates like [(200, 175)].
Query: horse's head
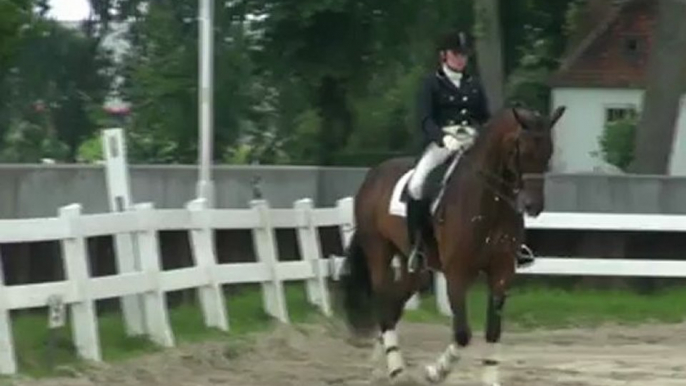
[(529, 149)]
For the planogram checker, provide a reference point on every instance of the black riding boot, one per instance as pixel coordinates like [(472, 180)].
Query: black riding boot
[(417, 212)]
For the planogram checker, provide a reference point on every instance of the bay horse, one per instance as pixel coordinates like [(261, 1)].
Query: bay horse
[(478, 227)]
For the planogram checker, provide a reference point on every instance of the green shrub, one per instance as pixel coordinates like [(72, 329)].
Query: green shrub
[(617, 142)]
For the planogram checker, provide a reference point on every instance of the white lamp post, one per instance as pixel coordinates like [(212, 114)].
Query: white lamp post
[(205, 188)]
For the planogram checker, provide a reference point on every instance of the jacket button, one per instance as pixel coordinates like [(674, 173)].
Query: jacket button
[(464, 111), (464, 98), (451, 98), (464, 123)]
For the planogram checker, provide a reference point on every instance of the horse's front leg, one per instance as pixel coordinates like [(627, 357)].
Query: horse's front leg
[(491, 358), (462, 334), (499, 280)]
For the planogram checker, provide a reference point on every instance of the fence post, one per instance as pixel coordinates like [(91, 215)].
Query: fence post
[(265, 248), (346, 210), (346, 228), (154, 301), (204, 256), (8, 359), (84, 319), (119, 194), (310, 250)]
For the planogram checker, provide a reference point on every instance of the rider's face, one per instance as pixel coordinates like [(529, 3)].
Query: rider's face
[(456, 61)]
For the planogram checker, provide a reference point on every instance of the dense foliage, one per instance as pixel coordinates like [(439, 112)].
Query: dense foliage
[(617, 142), (307, 82)]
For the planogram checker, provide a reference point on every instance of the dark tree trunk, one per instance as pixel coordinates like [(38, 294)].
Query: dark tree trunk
[(336, 119), (665, 83), (489, 49)]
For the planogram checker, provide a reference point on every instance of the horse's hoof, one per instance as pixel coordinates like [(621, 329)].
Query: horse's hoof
[(403, 378), (395, 373), (433, 374)]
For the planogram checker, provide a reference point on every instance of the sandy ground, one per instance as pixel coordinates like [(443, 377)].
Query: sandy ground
[(322, 355)]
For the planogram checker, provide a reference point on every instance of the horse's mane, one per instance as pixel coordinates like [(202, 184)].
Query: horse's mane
[(490, 133)]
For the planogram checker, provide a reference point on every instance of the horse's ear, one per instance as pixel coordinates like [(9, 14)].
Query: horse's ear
[(557, 114), (518, 118)]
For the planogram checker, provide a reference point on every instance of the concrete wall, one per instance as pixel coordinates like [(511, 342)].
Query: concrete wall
[(38, 191), (577, 132)]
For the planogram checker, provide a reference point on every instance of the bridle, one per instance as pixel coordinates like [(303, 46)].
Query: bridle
[(507, 183), (504, 188)]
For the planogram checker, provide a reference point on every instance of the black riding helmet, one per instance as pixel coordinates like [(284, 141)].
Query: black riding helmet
[(456, 41)]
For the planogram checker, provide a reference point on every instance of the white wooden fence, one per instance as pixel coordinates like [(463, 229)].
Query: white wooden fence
[(141, 283), (148, 283)]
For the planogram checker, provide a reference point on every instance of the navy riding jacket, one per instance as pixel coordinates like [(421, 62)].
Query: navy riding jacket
[(441, 104)]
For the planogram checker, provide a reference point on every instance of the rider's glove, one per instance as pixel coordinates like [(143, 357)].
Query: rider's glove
[(451, 143)]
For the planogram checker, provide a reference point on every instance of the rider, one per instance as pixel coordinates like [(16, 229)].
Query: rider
[(449, 97)]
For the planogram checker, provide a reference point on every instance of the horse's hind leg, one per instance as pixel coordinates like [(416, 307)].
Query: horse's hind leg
[(462, 334), (389, 300)]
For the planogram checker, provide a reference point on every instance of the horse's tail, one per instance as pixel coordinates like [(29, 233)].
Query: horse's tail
[(356, 286)]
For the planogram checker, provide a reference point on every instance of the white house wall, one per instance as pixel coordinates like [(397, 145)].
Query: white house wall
[(576, 134)]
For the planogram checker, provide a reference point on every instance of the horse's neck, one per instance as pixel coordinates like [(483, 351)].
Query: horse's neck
[(485, 175), (486, 158)]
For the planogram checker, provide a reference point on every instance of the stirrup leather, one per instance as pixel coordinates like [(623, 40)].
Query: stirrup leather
[(417, 259)]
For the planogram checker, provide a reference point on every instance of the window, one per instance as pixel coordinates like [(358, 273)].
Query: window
[(632, 48), (632, 45), (617, 113)]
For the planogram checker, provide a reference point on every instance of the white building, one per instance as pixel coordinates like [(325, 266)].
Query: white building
[(603, 79)]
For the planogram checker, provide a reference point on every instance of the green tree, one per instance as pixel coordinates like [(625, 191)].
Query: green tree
[(15, 16), (617, 142), (535, 36), (311, 82), (161, 81), (27, 142), (56, 80), (346, 61)]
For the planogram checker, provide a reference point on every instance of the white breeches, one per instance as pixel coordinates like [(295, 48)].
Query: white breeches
[(433, 156)]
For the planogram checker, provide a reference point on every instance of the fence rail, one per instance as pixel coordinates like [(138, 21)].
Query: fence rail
[(142, 285)]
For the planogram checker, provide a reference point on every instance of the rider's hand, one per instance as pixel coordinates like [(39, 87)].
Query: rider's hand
[(451, 143)]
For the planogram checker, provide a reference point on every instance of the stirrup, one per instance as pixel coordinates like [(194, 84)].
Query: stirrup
[(525, 257)]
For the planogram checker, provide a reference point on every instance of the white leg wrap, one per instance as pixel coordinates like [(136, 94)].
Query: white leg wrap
[(491, 364), (439, 370), (390, 339), (392, 349)]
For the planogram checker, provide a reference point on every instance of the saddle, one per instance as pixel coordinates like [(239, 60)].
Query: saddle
[(434, 183)]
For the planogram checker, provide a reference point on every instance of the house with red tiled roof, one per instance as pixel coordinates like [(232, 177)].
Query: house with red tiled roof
[(603, 79)]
